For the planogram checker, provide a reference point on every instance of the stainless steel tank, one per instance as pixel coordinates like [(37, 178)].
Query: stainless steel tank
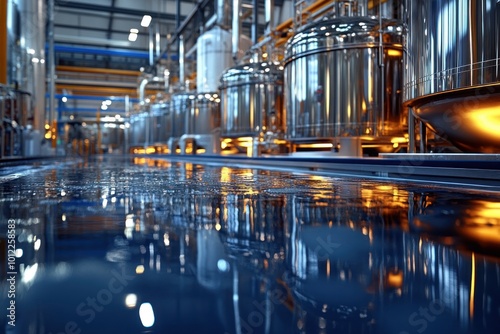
[(180, 105), (252, 99), (160, 122), (138, 123), (343, 76), (452, 70), (203, 115)]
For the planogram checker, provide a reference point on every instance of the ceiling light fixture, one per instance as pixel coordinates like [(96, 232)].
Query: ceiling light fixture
[(133, 35), (146, 20)]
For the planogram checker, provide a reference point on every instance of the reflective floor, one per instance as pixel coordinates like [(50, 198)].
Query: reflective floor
[(133, 245)]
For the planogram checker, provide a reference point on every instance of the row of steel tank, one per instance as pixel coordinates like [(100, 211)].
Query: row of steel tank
[(348, 77)]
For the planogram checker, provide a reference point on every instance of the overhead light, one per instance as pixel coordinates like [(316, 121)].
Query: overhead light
[(146, 20), (132, 37), (134, 31)]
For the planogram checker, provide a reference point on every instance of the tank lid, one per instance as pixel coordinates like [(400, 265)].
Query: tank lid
[(250, 72), (343, 33)]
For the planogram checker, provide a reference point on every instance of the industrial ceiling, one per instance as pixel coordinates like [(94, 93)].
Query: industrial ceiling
[(93, 53), (83, 29)]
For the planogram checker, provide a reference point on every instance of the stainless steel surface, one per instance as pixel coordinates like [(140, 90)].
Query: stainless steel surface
[(33, 56), (442, 157), (389, 9), (213, 54), (180, 105), (482, 175), (333, 82), (252, 99), (13, 51), (268, 16), (182, 59), (236, 25), (452, 71), (203, 116), (160, 122), (138, 124)]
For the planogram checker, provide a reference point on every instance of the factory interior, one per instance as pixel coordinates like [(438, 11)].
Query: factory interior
[(250, 166)]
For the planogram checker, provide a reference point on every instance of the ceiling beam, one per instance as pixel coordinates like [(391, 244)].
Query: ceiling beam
[(114, 31), (118, 10), (110, 22)]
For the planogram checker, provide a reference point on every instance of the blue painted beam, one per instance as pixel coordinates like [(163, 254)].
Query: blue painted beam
[(104, 52), (94, 98)]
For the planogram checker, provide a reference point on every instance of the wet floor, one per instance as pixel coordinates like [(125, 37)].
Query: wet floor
[(133, 245)]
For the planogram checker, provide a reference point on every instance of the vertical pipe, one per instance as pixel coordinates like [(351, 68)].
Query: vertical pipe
[(236, 28), (269, 16), (255, 22), (269, 27), (151, 46), (411, 131), (182, 77), (166, 78), (221, 13), (178, 23), (157, 40), (126, 131), (52, 71), (423, 137), (382, 66), (3, 42)]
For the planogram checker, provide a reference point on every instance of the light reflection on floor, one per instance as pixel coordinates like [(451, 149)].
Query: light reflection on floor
[(124, 245)]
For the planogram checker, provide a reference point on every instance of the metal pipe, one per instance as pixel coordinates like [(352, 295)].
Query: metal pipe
[(151, 47), (269, 16), (181, 26), (157, 40), (177, 25), (381, 63), (145, 82), (423, 137), (182, 76), (210, 22), (190, 52), (221, 13), (127, 130), (52, 74), (236, 28), (284, 26), (411, 131)]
